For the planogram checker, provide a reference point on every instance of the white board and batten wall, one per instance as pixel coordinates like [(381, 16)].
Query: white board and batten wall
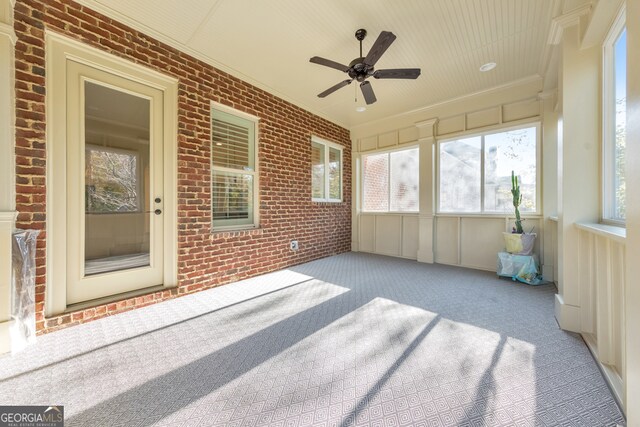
[(455, 239)]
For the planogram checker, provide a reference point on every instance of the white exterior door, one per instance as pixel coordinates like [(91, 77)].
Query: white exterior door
[(114, 184)]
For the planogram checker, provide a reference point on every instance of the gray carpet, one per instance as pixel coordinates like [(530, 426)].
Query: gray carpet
[(353, 339)]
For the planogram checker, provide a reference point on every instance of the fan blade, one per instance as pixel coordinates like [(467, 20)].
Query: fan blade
[(379, 47), (334, 88), (398, 73), (367, 92), (329, 63)]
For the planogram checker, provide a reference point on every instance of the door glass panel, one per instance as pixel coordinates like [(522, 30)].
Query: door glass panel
[(117, 188)]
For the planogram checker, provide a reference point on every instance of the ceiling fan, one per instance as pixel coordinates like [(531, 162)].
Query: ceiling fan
[(362, 68)]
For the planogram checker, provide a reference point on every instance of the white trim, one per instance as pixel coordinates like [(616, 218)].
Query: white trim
[(59, 50), (602, 16), (93, 57), (7, 221), (607, 167), (568, 316), (616, 383), (548, 94), (618, 234), (327, 145), (234, 112), (5, 336), (510, 85), (7, 167), (7, 108), (485, 216), (486, 130), (8, 216), (7, 30), (566, 20), (392, 149)]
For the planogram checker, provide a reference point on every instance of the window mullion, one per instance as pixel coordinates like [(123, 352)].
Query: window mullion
[(482, 177), (327, 195), (388, 182)]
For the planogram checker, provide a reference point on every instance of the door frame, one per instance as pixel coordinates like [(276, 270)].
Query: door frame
[(60, 50)]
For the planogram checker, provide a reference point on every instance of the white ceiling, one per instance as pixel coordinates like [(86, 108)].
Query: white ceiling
[(269, 43)]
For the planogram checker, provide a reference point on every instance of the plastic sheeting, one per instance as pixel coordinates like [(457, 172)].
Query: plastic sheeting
[(23, 289), (523, 268)]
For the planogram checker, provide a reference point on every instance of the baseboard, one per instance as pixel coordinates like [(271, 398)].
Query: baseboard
[(425, 256), (611, 376), (5, 337), (568, 316)]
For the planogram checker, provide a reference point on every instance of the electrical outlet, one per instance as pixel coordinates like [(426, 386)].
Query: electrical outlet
[(294, 245)]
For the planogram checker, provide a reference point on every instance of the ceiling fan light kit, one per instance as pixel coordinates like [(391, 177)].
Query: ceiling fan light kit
[(361, 68)]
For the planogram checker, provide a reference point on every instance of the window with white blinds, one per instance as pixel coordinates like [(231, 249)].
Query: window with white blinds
[(233, 174)]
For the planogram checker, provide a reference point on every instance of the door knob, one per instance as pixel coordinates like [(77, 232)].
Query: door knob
[(157, 211)]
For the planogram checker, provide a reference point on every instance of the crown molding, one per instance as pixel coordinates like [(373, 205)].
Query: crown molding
[(506, 86), (566, 20)]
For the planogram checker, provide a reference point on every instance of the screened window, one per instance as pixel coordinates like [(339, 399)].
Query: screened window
[(326, 171), (475, 172), (390, 181), (233, 176), (614, 113)]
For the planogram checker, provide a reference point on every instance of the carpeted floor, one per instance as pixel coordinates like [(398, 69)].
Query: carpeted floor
[(354, 339)]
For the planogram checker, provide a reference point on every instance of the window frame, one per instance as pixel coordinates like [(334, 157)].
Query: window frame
[(607, 166), (492, 131), (361, 171), (254, 213), (327, 146)]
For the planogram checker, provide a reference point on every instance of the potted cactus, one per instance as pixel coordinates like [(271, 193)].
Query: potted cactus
[(518, 242)]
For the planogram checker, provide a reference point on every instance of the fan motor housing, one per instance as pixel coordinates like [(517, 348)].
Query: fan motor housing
[(359, 70)]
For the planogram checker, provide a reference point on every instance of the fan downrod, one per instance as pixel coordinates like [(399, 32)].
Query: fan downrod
[(357, 68)]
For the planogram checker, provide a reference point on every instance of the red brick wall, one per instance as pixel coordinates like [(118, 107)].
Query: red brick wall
[(205, 259)]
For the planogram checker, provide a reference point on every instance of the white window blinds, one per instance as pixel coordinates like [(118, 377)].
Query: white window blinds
[(233, 170)]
